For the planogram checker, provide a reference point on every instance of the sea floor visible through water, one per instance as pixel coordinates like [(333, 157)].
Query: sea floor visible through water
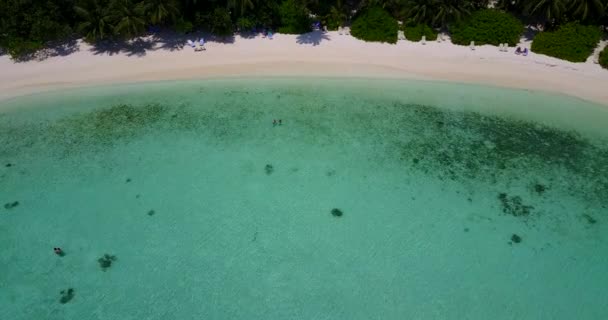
[(372, 199)]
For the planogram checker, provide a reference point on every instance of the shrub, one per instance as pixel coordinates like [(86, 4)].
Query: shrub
[(487, 27), (375, 24), (221, 23), (604, 58), (182, 26), (415, 32), (294, 18), (244, 24), (335, 18), (572, 42), (19, 48)]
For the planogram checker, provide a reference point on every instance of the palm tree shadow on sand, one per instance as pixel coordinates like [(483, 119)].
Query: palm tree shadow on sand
[(139, 47), (314, 38), (53, 49)]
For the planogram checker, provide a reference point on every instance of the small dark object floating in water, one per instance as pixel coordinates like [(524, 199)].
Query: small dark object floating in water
[(515, 238), (106, 261), (8, 165), (66, 296), (336, 212), (151, 212), (11, 205), (269, 169), (589, 219), (540, 188), (128, 180), (59, 252)]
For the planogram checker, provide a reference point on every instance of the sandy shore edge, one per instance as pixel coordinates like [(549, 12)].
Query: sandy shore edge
[(323, 55)]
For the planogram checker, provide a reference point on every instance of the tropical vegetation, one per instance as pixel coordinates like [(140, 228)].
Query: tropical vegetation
[(375, 24), (572, 42), (487, 26), (29, 25), (603, 58), (414, 32)]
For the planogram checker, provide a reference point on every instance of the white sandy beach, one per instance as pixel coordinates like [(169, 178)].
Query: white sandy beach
[(316, 54)]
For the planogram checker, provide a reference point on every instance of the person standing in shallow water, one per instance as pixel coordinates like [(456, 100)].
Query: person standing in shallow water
[(274, 122)]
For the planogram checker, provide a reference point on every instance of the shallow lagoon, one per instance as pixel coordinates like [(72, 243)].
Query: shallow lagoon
[(457, 202)]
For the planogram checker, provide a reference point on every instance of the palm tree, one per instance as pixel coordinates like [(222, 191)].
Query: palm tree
[(437, 12), (96, 24), (241, 6), (587, 8), (159, 11), (551, 10), (450, 11), (421, 11), (127, 17), (337, 15)]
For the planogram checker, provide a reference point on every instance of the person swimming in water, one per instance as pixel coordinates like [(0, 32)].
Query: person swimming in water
[(59, 252)]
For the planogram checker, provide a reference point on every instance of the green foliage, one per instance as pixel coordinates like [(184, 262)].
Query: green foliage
[(127, 18), (220, 22), (19, 47), (294, 18), (182, 26), (438, 13), (336, 17), (95, 18), (375, 24), (26, 26), (487, 27), (244, 24), (415, 32), (572, 42), (546, 9), (160, 11), (240, 6), (604, 58)]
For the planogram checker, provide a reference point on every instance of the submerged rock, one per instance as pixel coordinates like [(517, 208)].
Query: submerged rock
[(590, 219), (336, 212), (66, 296), (106, 261), (11, 205), (540, 188), (269, 169), (514, 205), (515, 238)]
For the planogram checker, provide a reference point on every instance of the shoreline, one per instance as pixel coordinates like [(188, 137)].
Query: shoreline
[(320, 54)]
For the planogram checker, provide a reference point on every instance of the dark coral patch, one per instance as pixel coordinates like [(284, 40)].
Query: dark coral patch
[(336, 212)]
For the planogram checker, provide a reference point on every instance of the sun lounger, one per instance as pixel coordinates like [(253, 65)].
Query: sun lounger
[(347, 30), (400, 35), (270, 35), (201, 43), (518, 50), (340, 30), (423, 40), (191, 43), (525, 52), (472, 45)]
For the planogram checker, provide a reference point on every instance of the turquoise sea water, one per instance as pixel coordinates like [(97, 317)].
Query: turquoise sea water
[(457, 201)]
